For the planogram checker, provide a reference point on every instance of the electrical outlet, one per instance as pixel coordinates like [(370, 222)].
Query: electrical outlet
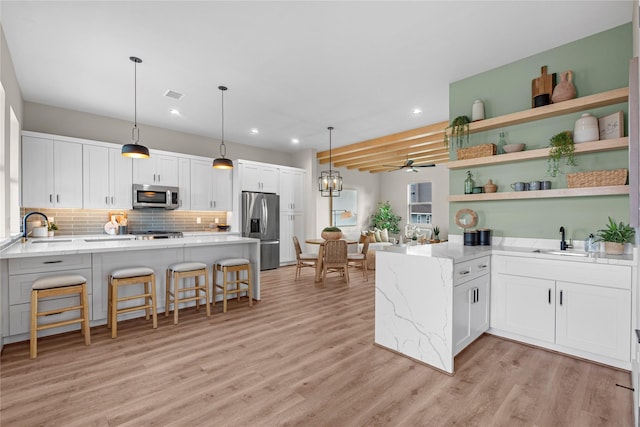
[(198, 220)]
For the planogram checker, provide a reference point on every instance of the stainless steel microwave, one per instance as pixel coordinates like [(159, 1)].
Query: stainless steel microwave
[(155, 196)]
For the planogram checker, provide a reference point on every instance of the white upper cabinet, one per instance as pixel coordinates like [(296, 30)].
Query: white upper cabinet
[(184, 183), (51, 173), (211, 189), (159, 169), (291, 194), (258, 177), (106, 184)]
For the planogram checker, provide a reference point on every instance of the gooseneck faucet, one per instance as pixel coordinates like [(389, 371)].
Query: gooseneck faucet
[(563, 243), (24, 223)]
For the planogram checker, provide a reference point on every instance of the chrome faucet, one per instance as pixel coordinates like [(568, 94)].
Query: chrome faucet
[(24, 223), (563, 244)]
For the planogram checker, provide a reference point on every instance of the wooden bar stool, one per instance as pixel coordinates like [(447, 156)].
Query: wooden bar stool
[(237, 286), (183, 270), (56, 286), (126, 277)]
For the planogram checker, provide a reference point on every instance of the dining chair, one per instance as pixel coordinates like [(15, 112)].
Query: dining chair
[(360, 259), (335, 258), (303, 259)]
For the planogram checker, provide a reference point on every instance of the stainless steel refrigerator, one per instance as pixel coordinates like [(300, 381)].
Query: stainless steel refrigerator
[(261, 220)]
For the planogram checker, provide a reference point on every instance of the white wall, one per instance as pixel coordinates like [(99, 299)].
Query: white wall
[(393, 187), (77, 124)]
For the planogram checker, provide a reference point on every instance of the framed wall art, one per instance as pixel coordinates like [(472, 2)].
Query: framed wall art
[(611, 126)]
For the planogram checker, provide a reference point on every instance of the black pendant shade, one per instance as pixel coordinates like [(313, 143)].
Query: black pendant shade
[(135, 150), (222, 162)]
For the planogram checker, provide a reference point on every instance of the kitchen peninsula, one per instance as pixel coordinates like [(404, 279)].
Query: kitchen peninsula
[(432, 301), (94, 257)]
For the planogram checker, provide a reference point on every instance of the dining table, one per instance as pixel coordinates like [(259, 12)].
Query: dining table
[(321, 254)]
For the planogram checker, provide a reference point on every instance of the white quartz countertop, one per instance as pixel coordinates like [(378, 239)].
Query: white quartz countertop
[(67, 245), (459, 253)]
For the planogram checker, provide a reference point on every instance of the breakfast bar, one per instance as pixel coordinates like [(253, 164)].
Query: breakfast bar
[(95, 257)]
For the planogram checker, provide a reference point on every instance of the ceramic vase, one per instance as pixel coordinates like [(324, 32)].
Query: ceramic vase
[(565, 89), (477, 111), (586, 129)]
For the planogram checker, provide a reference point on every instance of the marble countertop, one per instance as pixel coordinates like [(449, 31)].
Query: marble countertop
[(68, 245), (459, 253)]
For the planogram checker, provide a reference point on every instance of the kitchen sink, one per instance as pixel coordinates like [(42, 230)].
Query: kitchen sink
[(107, 239), (51, 241), (565, 253)]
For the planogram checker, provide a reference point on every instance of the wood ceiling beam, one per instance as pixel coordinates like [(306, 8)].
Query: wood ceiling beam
[(429, 130), (416, 144), (399, 157)]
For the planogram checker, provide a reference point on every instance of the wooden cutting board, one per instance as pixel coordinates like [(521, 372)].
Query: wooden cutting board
[(543, 84)]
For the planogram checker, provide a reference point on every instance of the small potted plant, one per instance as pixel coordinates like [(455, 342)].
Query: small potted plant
[(561, 146), (459, 131), (436, 234), (615, 236), (52, 227), (331, 233), (384, 218)]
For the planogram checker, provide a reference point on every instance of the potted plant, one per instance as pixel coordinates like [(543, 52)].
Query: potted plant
[(52, 227), (459, 131), (615, 236), (331, 233), (561, 146), (384, 218), (436, 234)]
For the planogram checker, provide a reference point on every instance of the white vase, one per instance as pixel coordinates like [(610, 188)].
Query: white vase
[(586, 129), (477, 110)]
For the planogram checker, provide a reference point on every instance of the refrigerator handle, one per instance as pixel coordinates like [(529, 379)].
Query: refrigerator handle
[(265, 216)]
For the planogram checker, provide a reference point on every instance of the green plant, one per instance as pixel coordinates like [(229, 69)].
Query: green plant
[(331, 229), (616, 233), (459, 131), (385, 218), (561, 146), (436, 232), (52, 226)]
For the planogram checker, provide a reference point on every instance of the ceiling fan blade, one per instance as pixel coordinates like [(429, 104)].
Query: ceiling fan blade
[(408, 163), (430, 165)]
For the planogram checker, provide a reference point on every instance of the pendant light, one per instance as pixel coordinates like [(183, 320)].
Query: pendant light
[(135, 150), (330, 182), (222, 162)]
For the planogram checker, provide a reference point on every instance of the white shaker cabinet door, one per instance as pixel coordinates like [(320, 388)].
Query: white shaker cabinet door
[(95, 177), (167, 170), (184, 183), (37, 172), (222, 189), (201, 185), (67, 169), (462, 302), (144, 171), (594, 319), (269, 179), (524, 306), (250, 177), (120, 180)]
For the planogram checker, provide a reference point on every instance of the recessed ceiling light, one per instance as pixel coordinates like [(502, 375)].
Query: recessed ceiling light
[(295, 140), (416, 111), (174, 112), (254, 131)]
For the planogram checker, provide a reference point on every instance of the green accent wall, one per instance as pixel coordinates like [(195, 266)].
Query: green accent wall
[(599, 63)]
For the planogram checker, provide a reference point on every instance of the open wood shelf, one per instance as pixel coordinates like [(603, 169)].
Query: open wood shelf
[(541, 153), (602, 99), (542, 194)]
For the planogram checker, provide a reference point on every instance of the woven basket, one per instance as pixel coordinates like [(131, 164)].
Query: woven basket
[(482, 150), (597, 178)]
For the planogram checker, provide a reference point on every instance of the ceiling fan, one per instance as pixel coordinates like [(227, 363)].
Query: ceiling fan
[(409, 166)]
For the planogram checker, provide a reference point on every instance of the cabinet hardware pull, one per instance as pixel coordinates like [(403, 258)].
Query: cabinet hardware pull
[(477, 294), (462, 273), (112, 200), (549, 295), (483, 266), (58, 198), (560, 297), (50, 198), (53, 262), (106, 200), (158, 177)]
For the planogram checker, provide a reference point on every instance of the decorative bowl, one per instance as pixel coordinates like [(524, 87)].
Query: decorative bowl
[(331, 235), (223, 227), (513, 148)]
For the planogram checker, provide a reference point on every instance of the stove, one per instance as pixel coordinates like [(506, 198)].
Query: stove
[(152, 235)]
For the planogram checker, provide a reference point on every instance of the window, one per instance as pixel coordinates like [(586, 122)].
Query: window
[(419, 205), (14, 173)]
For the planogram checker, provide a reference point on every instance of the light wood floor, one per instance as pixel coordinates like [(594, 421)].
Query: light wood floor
[(303, 356)]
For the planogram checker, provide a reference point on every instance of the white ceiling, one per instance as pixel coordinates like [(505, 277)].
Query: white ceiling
[(292, 68)]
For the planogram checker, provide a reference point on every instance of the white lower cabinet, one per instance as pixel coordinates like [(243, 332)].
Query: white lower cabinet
[(470, 302), (582, 309), (291, 224)]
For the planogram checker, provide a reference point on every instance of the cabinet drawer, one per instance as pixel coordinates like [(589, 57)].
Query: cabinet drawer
[(20, 285), (49, 263), (20, 315), (467, 270)]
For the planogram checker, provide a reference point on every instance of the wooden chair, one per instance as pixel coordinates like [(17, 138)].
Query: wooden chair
[(304, 259), (360, 259), (335, 258)]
